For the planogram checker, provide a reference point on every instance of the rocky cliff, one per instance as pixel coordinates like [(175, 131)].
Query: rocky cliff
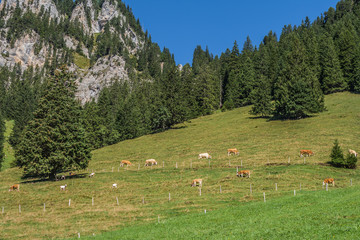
[(30, 48)]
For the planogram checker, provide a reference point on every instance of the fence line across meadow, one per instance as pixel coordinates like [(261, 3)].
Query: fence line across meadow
[(144, 199)]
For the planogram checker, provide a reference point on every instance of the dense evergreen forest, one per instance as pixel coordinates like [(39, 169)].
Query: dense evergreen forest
[(283, 78)]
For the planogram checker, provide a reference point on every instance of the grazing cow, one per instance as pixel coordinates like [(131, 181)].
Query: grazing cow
[(14, 187), (353, 152), (204, 155), (125, 162), (328, 181), (114, 185), (150, 162), (62, 177), (196, 182), (243, 173), (306, 153), (92, 174), (233, 150), (63, 187)]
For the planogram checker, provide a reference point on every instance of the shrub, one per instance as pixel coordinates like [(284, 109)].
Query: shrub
[(338, 160)]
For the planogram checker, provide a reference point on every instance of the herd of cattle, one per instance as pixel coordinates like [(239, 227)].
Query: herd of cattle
[(198, 182)]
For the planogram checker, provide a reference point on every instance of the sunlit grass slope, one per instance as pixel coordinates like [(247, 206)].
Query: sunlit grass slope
[(308, 215), (9, 152), (265, 148)]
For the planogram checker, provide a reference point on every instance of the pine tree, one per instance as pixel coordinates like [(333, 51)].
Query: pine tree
[(2, 130), (54, 141), (297, 91), (331, 77), (261, 98)]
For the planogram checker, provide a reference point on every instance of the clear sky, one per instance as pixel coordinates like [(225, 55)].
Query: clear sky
[(182, 25)]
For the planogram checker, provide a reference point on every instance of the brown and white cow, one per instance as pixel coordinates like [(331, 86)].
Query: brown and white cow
[(204, 155), (306, 153), (352, 152), (328, 181), (243, 173), (232, 150), (196, 182), (125, 162), (150, 162), (14, 187)]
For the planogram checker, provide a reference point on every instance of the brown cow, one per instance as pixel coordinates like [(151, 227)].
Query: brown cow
[(232, 150), (243, 173), (328, 181), (353, 152), (125, 162), (196, 182), (14, 187), (306, 153)]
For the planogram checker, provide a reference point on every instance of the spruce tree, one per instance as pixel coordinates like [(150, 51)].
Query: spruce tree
[(331, 77), (297, 90), (261, 98), (54, 141), (337, 155)]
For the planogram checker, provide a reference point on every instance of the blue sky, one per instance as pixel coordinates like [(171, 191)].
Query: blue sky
[(182, 25)]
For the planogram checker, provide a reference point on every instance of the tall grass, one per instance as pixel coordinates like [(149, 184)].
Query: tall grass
[(265, 148)]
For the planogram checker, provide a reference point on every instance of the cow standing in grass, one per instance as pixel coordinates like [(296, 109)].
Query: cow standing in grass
[(243, 173), (328, 181), (196, 182), (150, 162), (125, 162), (306, 153), (352, 152), (204, 155), (14, 187), (233, 150)]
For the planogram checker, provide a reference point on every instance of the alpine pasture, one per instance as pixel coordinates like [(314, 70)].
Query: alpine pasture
[(145, 194)]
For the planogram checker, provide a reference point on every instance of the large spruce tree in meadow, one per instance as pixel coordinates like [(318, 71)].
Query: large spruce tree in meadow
[(54, 141)]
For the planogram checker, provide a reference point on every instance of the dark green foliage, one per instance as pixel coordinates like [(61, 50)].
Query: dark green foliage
[(338, 160), (297, 92), (261, 98), (54, 141), (331, 77), (2, 139)]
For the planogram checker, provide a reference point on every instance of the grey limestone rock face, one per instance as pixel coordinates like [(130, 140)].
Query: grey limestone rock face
[(104, 72), (34, 6)]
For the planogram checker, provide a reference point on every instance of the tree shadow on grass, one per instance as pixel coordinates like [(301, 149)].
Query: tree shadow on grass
[(31, 181)]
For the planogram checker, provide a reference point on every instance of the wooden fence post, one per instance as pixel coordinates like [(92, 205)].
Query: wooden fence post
[(19, 208), (264, 197), (229, 163), (200, 191), (327, 187), (143, 200), (250, 189), (205, 211), (275, 186), (78, 235), (220, 188), (117, 201), (191, 164), (169, 197), (3, 210), (92, 201), (139, 166), (44, 208), (69, 202), (241, 164), (176, 165), (294, 192)]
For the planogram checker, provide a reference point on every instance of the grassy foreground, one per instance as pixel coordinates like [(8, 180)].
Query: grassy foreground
[(308, 215), (270, 149)]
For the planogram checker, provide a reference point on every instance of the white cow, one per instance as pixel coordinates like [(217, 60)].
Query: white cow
[(353, 152), (204, 155), (63, 187), (92, 174), (114, 185), (150, 162)]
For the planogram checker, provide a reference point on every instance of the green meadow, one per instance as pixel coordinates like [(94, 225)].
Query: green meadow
[(269, 149)]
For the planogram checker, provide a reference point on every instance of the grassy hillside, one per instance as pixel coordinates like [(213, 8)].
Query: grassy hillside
[(143, 194), (308, 215)]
